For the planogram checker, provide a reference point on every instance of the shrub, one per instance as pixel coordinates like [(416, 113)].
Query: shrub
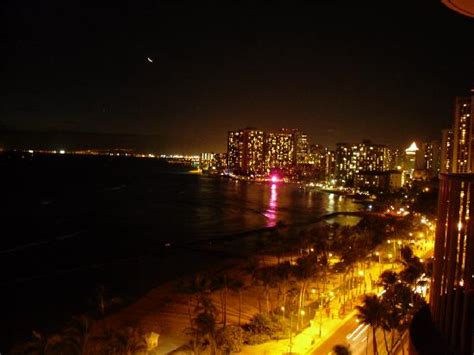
[(230, 339), (263, 327), (254, 339)]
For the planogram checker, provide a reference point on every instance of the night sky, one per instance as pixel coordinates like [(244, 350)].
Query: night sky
[(340, 70)]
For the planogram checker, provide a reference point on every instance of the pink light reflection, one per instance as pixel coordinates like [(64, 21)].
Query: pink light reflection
[(271, 212)]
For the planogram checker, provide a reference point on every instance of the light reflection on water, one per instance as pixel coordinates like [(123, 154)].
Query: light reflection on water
[(222, 206), (330, 202), (271, 212)]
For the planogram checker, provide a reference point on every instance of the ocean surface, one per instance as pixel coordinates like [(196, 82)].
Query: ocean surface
[(73, 224)]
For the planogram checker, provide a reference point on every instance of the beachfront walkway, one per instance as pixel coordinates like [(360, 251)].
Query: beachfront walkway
[(310, 338), (323, 326)]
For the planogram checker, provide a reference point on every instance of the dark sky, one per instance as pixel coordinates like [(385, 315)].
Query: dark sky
[(340, 70)]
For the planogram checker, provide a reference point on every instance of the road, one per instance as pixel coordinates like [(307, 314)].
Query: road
[(353, 335)]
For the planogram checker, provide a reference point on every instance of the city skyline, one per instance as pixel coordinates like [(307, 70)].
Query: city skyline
[(202, 177), (188, 73)]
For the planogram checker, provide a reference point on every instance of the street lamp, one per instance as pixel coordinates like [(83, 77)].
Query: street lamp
[(320, 317), (291, 332), (378, 255), (394, 247)]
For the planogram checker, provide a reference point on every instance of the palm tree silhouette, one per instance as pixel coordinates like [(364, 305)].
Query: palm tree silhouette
[(371, 313)]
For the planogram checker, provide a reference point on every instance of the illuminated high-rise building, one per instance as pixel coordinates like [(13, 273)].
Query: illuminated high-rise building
[(317, 156), (447, 142), (206, 161), (330, 165), (452, 282), (372, 157), (432, 155), (280, 151), (315, 163), (220, 162), (409, 163), (346, 161), (352, 159), (463, 130), (301, 148), (396, 159), (428, 159), (245, 152)]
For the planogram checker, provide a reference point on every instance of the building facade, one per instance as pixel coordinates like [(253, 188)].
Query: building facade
[(245, 152), (280, 153), (206, 161), (463, 135), (452, 283), (409, 163), (390, 180), (352, 159), (447, 142)]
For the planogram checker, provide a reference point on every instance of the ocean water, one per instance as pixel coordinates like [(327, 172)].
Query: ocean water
[(70, 224)]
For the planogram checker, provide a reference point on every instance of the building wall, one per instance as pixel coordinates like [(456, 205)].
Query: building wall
[(463, 147), (245, 152), (447, 138), (302, 148), (452, 284), (352, 159), (279, 151)]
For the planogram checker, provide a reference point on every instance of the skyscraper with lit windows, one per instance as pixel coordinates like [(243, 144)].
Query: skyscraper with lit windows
[(463, 135), (447, 142), (409, 163), (452, 282), (372, 157), (352, 159), (280, 151), (245, 152), (301, 148), (346, 161)]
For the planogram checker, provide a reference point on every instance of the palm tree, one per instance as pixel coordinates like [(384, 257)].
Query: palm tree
[(387, 279), (371, 313), (219, 283), (128, 341), (237, 285), (306, 268), (267, 277), (203, 327), (196, 286), (413, 266), (72, 340), (34, 346), (400, 303), (78, 332), (283, 278)]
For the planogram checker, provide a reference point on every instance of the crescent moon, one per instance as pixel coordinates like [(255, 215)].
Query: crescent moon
[(149, 59)]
